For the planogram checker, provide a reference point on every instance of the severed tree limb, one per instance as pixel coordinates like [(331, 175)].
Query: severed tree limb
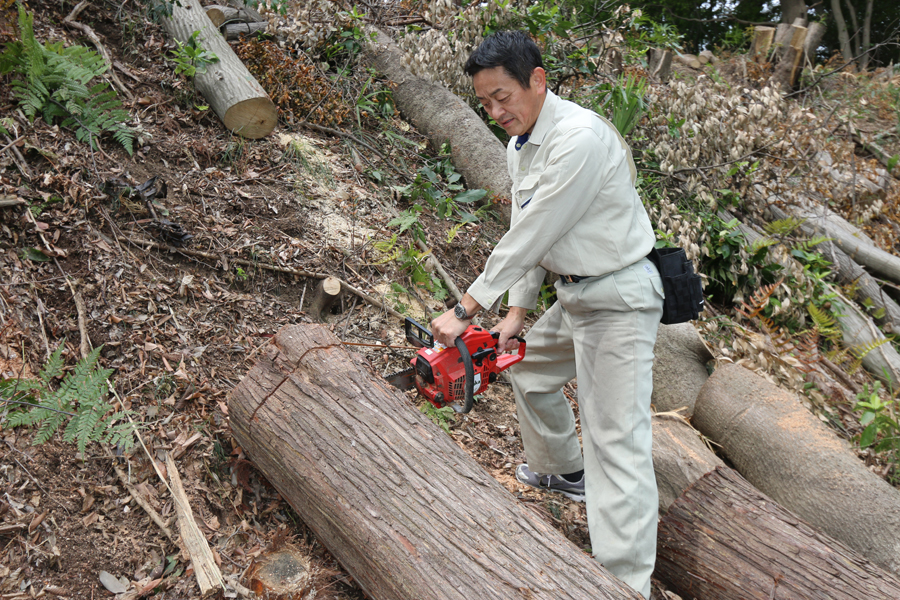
[(151, 512), (147, 244), (71, 22)]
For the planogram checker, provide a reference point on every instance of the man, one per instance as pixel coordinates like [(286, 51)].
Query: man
[(575, 211)]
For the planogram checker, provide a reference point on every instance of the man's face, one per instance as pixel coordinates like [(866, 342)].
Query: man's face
[(514, 107)]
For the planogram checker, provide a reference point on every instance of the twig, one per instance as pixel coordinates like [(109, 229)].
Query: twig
[(840, 374), (151, 512), (338, 132), (11, 144), (70, 21), (441, 271), (276, 268), (82, 323)]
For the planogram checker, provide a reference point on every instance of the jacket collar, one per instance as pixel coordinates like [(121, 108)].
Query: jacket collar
[(545, 120)]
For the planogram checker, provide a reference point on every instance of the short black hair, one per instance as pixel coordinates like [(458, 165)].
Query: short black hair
[(513, 50)]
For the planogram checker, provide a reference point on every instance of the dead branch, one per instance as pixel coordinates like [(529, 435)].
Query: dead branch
[(71, 22), (142, 502)]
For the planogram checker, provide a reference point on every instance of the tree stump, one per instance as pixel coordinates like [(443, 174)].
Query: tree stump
[(762, 43), (406, 511), (789, 63), (232, 92), (724, 540), (659, 63), (791, 456), (327, 292)]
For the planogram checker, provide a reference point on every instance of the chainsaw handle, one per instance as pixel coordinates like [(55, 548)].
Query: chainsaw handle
[(505, 361), (470, 374)]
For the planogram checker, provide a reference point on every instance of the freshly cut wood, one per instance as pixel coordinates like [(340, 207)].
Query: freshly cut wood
[(679, 368), (441, 115), (659, 63), (689, 60), (762, 43), (724, 540), (327, 292), (789, 63), (849, 272), (232, 92), (222, 15), (707, 57), (790, 455), (406, 511), (234, 31)]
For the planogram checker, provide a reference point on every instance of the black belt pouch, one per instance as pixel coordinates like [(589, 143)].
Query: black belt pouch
[(684, 292)]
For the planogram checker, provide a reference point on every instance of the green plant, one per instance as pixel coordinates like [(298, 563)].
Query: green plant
[(80, 398), (882, 431), (55, 83), (377, 103), (442, 417), (191, 58), (623, 101)]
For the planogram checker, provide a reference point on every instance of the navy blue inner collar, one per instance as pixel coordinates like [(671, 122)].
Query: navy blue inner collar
[(521, 140)]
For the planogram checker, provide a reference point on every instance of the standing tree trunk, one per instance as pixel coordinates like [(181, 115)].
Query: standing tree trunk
[(814, 34), (792, 10), (866, 36), (843, 35), (476, 152), (406, 511), (232, 92), (790, 455)]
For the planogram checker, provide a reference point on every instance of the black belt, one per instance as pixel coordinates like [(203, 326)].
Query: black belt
[(573, 278)]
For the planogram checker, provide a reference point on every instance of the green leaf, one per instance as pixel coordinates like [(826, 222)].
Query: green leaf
[(470, 196), (36, 255), (867, 438), (867, 418)]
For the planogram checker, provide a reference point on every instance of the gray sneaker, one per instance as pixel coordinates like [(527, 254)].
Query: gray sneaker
[(552, 483)]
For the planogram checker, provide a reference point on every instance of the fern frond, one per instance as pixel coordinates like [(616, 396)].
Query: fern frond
[(783, 227), (54, 365), (810, 244), (825, 324), (761, 243), (861, 350), (758, 301)]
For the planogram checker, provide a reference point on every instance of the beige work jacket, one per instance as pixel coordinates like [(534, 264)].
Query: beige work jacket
[(575, 210)]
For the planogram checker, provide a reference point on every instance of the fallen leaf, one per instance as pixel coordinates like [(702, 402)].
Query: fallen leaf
[(90, 519), (111, 583)]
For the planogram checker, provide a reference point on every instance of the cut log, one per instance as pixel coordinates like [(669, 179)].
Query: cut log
[(234, 31), (326, 294), (222, 15), (762, 43), (441, 115), (848, 238), (724, 540), (788, 454), (707, 57), (688, 60), (659, 63), (789, 62), (680, 458), (679, 368), (406, 511), (232, 92), (849, 272)]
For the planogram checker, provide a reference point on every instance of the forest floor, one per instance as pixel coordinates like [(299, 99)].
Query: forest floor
[(181, 328)]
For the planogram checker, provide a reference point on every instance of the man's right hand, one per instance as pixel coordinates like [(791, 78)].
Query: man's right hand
[(509, 327)]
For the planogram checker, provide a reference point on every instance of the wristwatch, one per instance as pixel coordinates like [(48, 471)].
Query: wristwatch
[(460, 312)]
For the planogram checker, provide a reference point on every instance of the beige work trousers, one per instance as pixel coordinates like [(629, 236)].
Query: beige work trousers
[(602, 331)]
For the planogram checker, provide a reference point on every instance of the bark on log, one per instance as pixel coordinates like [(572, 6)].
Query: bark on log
[(232, 92), (326, 294), (393, 498), (680, 458), (762, 43), (788, 454), (707, 57), (221, 15), (234, 31), (659, 63), (441, 115), (679, 368), (725, 540), (814, 34), (789, 64), (849, 272), (849, 239)]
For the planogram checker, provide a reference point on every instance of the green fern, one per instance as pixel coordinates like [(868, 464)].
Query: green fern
[(80, 398), (782, 227), (825, 324), (56, 85), (808, 245)]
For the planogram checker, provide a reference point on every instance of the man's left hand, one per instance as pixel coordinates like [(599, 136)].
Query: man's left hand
[(446, 328)]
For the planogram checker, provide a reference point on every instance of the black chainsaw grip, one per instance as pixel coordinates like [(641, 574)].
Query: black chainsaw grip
[(470, 374)]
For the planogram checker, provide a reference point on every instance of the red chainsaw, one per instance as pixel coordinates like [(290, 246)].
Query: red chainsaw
[(450, 376)]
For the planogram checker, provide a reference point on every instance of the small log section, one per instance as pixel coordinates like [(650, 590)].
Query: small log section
[(780, 447), (762, 43), (326, 294), (232, 92), (734, 543), (406, 511)]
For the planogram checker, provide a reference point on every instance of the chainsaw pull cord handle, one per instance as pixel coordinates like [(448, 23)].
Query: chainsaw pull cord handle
[(470, 374)]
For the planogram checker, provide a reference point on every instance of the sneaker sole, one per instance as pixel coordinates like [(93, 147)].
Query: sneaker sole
[(570, 495)]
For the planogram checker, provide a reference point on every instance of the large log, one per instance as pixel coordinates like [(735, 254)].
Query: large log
[(788, 454), (679, 368), (407, 512), (441, 115), (724, 540), (232, 92)]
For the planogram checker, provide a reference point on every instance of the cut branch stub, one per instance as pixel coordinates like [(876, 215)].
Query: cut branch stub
[(326, 294)]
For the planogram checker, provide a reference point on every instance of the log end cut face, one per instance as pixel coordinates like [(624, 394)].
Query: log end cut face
[(282, 573), (252, 118)]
